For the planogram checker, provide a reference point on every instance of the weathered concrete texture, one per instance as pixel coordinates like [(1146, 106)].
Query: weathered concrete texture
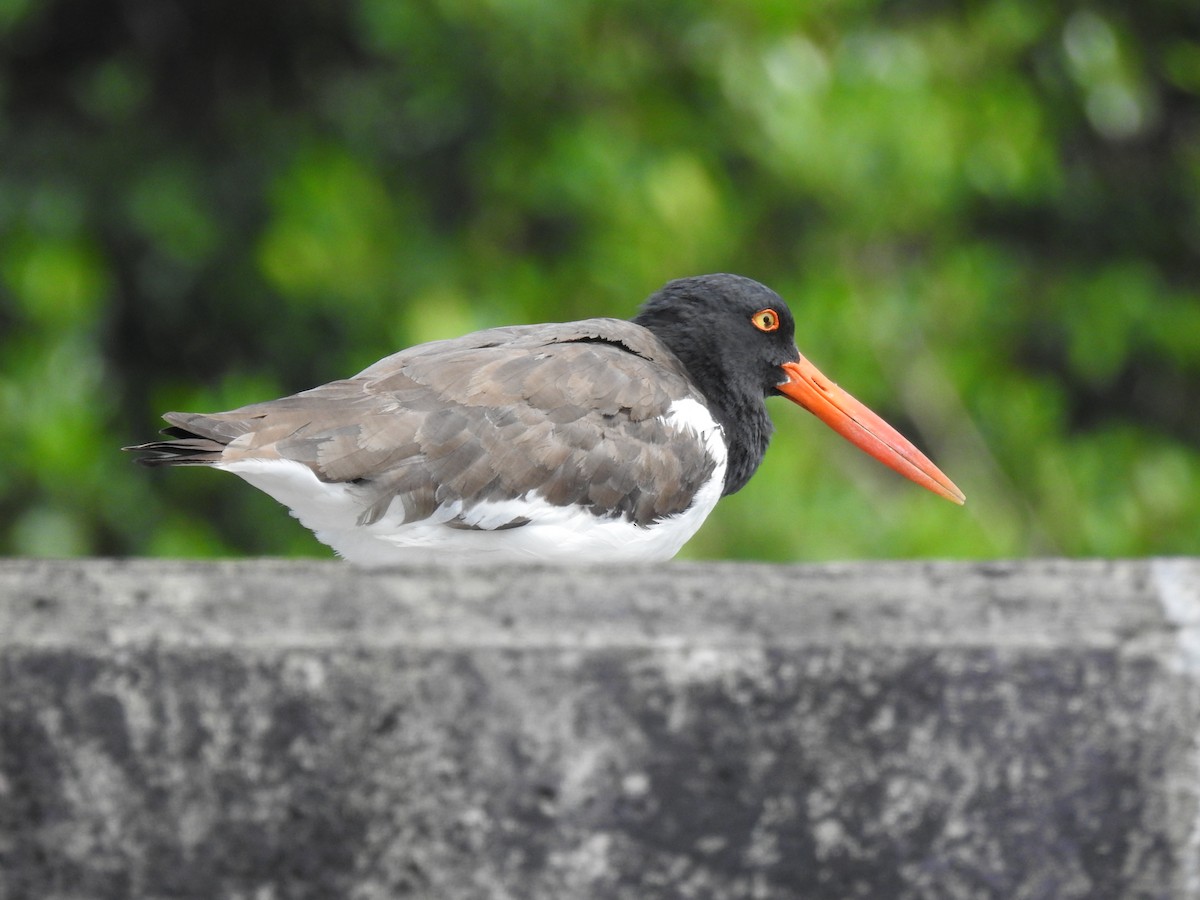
[(272, 730)]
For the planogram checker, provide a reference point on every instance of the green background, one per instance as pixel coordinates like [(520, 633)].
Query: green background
[(985, 217)]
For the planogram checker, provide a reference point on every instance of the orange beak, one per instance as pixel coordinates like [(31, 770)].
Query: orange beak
[(861, 427)]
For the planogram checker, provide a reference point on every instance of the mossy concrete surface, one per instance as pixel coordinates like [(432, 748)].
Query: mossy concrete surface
[(276, 729)]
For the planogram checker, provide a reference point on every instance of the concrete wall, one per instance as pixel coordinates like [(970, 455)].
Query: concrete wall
[(266, 730)]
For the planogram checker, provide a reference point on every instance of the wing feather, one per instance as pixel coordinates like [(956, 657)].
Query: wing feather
[(574, 413)]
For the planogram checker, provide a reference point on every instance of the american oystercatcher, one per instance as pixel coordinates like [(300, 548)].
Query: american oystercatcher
[(599, 440)]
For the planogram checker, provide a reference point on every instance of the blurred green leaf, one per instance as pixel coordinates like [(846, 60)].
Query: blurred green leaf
[(167, 206), (985, 219), (58, 283)]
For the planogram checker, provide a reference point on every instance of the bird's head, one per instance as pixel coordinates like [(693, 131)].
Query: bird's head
[(737, 339)]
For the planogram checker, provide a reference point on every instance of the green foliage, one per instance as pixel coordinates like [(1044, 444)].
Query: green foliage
[(986, 219)]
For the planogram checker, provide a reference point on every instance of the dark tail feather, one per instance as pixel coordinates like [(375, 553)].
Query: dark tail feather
[(188, 450), (199, 440)]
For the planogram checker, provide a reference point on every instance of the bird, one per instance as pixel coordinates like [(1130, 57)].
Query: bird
[(595, 441)]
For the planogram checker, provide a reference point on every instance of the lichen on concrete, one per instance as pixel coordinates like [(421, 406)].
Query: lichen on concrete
[(289, 730)]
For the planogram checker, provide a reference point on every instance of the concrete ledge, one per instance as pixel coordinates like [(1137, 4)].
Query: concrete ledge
[(270, 729)]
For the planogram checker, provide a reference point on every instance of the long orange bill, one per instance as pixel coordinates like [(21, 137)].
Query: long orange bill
[(861, 427)]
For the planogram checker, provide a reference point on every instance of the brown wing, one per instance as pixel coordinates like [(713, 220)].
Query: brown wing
[(572, 412)]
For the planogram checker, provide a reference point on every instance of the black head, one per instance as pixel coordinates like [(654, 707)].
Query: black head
[(733, 335), (731, 332)]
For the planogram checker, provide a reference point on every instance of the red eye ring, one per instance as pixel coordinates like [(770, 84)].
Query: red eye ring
[(765, 320)]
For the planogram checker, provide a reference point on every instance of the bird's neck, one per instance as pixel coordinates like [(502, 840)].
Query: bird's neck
[(740, 409), (747, 427)]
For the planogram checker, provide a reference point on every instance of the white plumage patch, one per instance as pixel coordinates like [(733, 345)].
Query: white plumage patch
[(561, 534)]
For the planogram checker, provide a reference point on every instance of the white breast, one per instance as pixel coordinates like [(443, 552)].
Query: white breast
[(559, 534)]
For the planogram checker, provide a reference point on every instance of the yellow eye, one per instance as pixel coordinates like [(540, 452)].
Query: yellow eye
[(765, 320)]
